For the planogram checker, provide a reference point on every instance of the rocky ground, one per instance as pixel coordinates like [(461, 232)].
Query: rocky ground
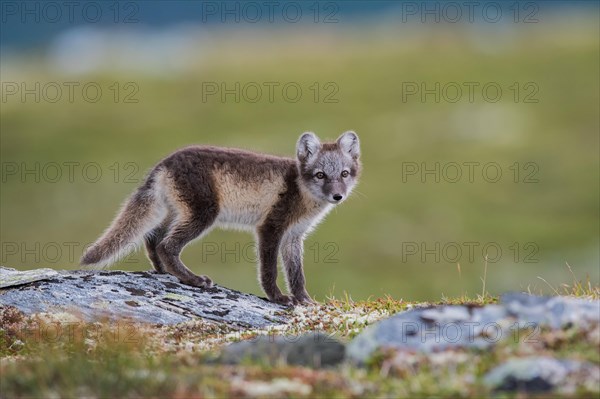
[(101, 334)]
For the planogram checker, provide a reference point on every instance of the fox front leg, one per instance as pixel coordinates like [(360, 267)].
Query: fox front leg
[(292, 248), (269, 240)]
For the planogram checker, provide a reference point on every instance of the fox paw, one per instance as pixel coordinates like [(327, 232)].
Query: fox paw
[(282, 299), (199, 281), (304, 299)]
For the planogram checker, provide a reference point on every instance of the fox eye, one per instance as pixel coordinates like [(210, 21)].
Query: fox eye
[(320, 175), (345, 173)]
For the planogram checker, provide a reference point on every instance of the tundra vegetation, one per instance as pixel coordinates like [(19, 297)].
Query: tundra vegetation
[(57, 354)]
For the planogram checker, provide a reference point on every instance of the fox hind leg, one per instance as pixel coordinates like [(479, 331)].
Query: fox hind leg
[(181, 232), (154, 238)]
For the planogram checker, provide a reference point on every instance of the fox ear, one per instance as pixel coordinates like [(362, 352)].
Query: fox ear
[(308, 147), (349, 144)]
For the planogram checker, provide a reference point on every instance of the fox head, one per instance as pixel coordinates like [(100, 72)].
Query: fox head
[(329, 170)]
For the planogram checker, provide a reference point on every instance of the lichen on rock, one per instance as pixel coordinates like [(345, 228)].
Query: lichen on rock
[(145, 297)]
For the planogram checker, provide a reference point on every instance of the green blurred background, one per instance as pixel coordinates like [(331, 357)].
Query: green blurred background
[(399, 232)]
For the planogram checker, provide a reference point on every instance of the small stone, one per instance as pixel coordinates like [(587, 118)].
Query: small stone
[(533, 374), (312, 350)]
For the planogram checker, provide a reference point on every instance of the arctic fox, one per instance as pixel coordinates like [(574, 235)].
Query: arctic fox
[(199, 187)]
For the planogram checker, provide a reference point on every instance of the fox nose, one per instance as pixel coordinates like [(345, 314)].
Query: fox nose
[(337, 197)]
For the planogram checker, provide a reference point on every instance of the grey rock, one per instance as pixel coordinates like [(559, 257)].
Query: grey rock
[(312, 350), (536, 374), (426, 330), (138, 296), (450, 326), (12, 277), (556, 312)]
